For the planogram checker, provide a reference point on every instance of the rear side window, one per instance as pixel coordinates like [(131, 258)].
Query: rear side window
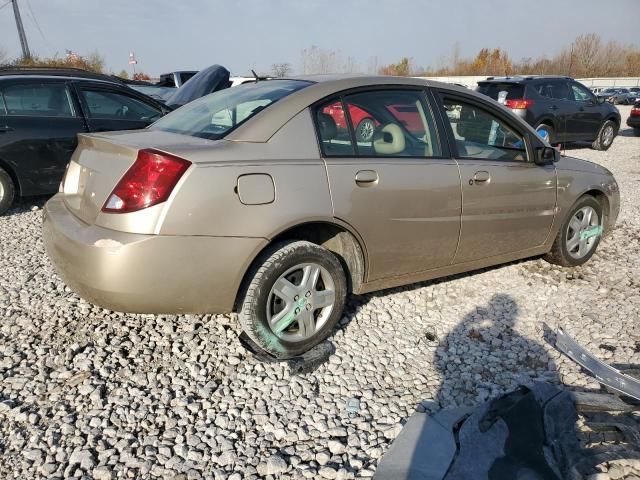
[(479, 134), (555, 89), (38, 100), (513, 91), (214, 116), (383, 123), (109, 105)]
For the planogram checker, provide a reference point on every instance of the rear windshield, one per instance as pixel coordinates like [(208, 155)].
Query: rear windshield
[(215, 115), (514, 90)]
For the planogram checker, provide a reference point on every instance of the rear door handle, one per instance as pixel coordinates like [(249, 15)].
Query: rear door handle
[(480, 178), (5, 128), (367, 178)]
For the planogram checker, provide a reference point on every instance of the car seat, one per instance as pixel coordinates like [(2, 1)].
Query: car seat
[(389, 140)]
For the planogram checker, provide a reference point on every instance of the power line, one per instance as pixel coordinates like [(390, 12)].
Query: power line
[(5, 4), (33, 16)]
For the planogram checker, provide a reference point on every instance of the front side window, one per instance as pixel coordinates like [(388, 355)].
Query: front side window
[(215, 115), (38, 100), (110, 105), (581, 94), (479, 134), (384, 123)]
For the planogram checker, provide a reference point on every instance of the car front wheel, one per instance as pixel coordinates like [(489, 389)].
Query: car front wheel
[(580, 234), (7, 191), (294, 299), (605, 137)]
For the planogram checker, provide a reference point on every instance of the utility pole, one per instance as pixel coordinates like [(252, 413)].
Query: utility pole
[(23, 37)]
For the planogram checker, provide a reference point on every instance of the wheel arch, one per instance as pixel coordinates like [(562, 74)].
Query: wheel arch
[(334, 236), (602, 198), (14, 176), (547, 120)]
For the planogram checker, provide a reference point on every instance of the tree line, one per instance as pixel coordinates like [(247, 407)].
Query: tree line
[(587, 56)]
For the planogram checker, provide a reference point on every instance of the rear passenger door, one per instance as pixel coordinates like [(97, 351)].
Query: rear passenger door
[(38, 126), (396, 185), (508, 200), (108, 107), (559, 104)]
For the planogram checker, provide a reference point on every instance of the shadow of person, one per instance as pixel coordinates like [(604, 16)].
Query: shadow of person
[(484, 356)]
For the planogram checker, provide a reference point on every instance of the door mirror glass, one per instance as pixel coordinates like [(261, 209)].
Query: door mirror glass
[(600, 100), (546, 155)]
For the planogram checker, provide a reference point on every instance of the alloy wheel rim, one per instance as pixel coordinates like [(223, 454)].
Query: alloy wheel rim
[(1, 192), (579, 245), (365, 130), (607, 135), (300, 302)]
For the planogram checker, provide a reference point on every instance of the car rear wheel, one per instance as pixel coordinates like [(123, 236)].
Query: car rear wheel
[(365, 130), (294, 299), (605, 136), (580, 234), (7, 191), (547, 132)]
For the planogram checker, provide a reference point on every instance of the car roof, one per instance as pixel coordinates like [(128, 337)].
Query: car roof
[(523, 78), (44, 72), (266, 123)]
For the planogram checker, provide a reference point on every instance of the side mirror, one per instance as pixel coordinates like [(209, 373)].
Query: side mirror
[(600, 100), (546, 155)]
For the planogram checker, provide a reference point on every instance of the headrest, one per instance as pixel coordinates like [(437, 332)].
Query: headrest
[(327, 126), (389, 140)]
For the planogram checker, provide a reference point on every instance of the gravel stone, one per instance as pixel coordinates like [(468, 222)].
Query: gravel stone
[(89, 392)]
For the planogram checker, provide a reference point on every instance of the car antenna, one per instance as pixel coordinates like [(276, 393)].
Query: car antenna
[(255, 75)]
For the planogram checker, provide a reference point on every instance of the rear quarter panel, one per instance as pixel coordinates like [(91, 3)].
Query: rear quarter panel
[(208, 202)]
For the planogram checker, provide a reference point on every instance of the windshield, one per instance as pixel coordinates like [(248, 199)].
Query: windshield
[(214, 116)]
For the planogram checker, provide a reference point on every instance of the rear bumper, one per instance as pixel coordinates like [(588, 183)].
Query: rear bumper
[(633, 122), (146, 273)]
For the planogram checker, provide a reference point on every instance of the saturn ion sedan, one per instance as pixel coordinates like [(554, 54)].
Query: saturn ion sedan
[(253, 199)]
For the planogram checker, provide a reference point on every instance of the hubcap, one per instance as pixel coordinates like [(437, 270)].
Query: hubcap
[(583, 232), (365, 130), (607, 135), (300, 302)]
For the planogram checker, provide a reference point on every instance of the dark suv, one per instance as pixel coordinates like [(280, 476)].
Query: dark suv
[(42, 110), (559, 108)]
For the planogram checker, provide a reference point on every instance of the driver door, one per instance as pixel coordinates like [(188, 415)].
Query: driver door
[(109, 107)]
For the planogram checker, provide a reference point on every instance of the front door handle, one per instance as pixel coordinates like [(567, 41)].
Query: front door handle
[(5, 128), (480, 178), (366, 178), (553, 107)]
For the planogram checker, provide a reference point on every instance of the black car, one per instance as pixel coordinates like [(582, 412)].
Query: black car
[(42, 110), (561, 109), (634, 119)]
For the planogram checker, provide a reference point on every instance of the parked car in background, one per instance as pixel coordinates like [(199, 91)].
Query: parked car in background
[(248, 200), (175, 79), (634, 118), (42, 111), (616, 96), (559, 108)]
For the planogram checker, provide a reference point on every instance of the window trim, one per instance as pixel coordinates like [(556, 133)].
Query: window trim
[(441, 94), (80, 86), (75, 112), (424, 95)]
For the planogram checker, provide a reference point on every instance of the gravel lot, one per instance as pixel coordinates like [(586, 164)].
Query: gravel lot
[(89, 392)]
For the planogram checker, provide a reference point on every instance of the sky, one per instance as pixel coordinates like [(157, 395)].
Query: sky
[(168, 35)]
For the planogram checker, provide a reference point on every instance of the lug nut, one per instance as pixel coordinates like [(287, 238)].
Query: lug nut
[(295, 299), (297, 311), (308, 306), (308, 294)]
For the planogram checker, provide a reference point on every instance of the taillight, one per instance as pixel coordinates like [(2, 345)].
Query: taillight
[(148, 182), (635, 112), (518, 104)]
